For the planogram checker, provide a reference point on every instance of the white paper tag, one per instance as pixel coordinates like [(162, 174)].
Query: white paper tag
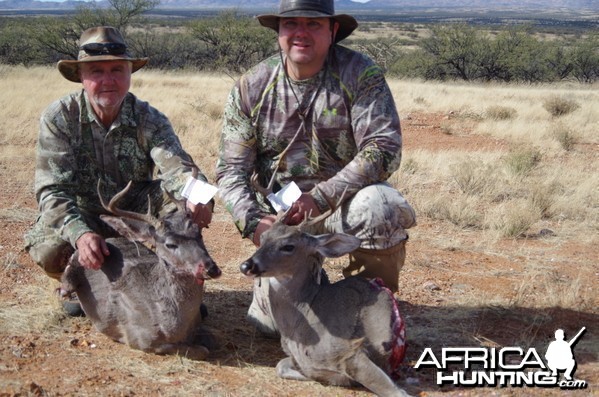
[(198, 191), (284, 198)]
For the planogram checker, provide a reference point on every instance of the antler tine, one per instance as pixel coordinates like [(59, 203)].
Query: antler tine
[(112, 208), (182, 204), (265, 191), (193, 166), (308, 221)]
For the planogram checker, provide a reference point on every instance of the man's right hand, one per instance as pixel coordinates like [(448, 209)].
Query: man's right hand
[(264, 224), (92, 250)]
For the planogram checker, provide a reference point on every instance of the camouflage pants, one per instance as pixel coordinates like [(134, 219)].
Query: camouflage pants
[(49, 250), (379, 216)]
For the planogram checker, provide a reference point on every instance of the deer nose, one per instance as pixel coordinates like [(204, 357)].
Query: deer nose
[(247, 267), (213, 270)]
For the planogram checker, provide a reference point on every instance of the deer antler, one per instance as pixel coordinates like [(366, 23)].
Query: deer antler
[(181, 204), (308, 221), (265, 191), (112, 208)]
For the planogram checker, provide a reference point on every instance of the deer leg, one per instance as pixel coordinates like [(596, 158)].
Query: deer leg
[(204, 337), (362, 370), (69, 280), (286, 369), (260, 313)]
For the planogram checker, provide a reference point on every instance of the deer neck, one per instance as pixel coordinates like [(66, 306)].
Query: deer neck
[(297, 290), (179, 286)]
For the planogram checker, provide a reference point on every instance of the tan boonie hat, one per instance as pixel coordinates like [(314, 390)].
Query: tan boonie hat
[(102, 43), (310, 9)]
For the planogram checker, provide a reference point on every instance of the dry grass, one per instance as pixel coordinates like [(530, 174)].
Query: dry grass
[(480, 203)]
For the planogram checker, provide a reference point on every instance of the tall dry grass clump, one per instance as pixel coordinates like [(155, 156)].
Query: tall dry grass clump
[(558, 106)]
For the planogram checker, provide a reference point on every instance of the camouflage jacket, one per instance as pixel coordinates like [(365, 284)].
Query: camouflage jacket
[(74, 150), (351, 139)]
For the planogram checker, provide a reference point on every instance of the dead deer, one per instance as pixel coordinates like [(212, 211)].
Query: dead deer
[(342, 333), (145, 299)]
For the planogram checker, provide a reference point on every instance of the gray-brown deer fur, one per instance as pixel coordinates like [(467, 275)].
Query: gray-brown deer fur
[(342, 333), (145, 299)]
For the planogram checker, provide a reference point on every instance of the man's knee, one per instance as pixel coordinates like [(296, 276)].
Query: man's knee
[(51, 256), (379, 215)]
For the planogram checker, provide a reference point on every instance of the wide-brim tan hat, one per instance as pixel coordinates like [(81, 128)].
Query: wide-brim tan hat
[(310, 9), (102, 43)]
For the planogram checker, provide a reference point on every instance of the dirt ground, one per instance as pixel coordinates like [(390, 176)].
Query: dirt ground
[(449, 287)]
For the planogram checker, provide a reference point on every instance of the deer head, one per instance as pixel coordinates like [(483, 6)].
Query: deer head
[(177, 240), (285, 249)]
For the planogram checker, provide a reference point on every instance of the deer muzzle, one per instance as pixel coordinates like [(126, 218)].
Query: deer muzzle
[(249, 268), (207, 271)]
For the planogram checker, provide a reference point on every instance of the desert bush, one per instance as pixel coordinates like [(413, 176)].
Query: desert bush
[(521, 161), (384, 51), (170, 51), (559, 106), (234, 41), (513, 218), (461, 211), (498, 112), (455, 49), (472, 177), (564, 135), (585, 59), (17, 45), (541, 197)]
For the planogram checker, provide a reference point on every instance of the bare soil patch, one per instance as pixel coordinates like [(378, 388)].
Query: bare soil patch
[(455, 292)]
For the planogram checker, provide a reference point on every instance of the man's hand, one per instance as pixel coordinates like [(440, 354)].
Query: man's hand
[(201, 214), (304, 206), (92, 250), (264, 224)]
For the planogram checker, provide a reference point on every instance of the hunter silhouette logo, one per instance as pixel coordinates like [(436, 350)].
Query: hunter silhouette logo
[(506, 366), (559, 354)]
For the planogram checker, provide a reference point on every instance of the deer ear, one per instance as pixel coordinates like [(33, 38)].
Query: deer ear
[(131, 229), (336, 244)]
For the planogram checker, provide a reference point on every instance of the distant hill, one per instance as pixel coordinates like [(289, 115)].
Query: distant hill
[(372, 5)]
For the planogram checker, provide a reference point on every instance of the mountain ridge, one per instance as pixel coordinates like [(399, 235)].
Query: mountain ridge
[(372, 5)]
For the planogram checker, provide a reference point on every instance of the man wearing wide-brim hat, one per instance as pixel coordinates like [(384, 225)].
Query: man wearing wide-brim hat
[(321, 116), (101, 132)]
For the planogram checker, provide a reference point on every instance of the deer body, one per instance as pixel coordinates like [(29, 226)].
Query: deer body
[(145, 299), (342, 333)]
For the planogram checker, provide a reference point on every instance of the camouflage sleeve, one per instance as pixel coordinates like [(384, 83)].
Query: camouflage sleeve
[(167, 153), (237, 155), (377, 133), (56, 175)]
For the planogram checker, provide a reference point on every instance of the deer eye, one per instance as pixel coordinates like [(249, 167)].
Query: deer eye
[(288, 248), (171, 246)]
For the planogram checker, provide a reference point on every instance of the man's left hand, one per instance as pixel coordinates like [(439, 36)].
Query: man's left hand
[(304, 207), (201, 214)]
